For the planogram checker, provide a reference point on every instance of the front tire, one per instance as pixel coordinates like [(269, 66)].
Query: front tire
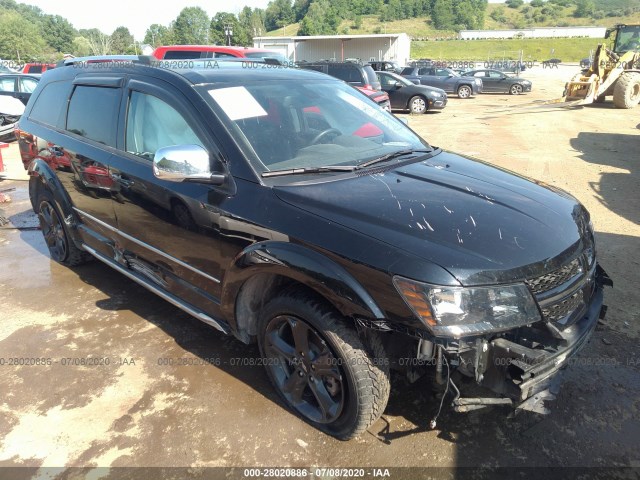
[(516, 89), (464, 91), (418, 105), (626, 93), (320, 367), (56, 235)]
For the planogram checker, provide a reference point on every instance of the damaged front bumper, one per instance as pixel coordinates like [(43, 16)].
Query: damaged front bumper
[(523, 367)]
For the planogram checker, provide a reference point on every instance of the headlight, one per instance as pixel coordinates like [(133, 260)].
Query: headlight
[(462, 311)]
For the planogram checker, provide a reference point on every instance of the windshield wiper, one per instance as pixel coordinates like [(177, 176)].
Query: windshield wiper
[(303, 171), (390, 156)]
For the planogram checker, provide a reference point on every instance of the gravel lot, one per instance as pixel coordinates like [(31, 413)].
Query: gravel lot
[(137, 411)]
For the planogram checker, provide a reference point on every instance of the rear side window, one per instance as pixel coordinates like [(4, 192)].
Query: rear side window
[(407, 71), (35, 69), (93, 113), (28, 85), (181, 54), (349, 73), (51, 104)]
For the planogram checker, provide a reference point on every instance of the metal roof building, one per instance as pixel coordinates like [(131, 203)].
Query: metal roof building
[(391, 46)]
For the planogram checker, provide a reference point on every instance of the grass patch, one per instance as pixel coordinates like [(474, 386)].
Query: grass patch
[(534, 49)]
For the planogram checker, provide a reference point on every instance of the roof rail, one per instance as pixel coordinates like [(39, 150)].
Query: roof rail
[(134, 59)]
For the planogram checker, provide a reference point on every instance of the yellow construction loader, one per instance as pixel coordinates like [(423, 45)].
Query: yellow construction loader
[(613, 72)]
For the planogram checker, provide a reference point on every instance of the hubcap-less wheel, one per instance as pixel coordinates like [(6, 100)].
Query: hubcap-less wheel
[(464, 91), (417, 105), (53, 232), (516, 89), (304, 369)]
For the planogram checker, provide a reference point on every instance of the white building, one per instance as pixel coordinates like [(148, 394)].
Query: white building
[(542, 32), (391, 46)]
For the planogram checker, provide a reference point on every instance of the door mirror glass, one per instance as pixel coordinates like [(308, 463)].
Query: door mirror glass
[(185, 163), (398, 85)]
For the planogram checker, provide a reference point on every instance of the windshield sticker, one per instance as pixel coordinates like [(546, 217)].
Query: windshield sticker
[(237, 103)]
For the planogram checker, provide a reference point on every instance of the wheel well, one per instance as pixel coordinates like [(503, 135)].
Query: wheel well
[(255, 293), (420, 95)]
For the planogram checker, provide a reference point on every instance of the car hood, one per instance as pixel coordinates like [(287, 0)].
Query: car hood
[(481, 223), (426, 88)]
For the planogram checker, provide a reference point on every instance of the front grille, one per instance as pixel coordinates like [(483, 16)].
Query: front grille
[(557, 312), (554, 279), (563, 293)]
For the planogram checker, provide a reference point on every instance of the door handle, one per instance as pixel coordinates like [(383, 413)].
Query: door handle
[(125, 182)]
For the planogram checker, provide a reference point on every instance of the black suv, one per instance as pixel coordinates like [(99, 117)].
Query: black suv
[(353, 73), (282, 206)]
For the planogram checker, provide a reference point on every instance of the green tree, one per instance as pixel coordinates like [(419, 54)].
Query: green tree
[(321, 19), (58, 33), (536, 3), (300, 9), (157, 35), (442, 14), (514, 3), (122, 41), (99, 43), (584, 8), (499, 15), (20, 40), (80, 47), (278, 14), (192, 27)]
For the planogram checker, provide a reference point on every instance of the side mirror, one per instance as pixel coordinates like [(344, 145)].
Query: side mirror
[(450, 75), (185, 163), (608, 32), (398, 85)]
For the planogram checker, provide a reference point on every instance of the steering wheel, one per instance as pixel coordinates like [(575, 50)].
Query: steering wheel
[(323, 134)]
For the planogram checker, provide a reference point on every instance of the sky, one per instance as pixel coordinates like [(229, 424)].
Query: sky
[(136, 15)]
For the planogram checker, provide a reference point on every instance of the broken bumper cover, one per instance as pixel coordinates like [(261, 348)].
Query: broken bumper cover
[(526, 377)]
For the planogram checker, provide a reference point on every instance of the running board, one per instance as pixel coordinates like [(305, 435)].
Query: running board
[(158, 291)]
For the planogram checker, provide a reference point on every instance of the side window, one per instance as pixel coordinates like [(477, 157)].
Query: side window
[(153, 124), (223, 55), (51, 104), (181, 54), (28, 85), (424, 71), (93, 113), (387, 81), (479, 74), (8, 84), (494, 75), (441, 72)]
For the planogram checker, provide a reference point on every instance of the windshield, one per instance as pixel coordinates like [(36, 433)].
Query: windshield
[(628, 38), (310, 123)]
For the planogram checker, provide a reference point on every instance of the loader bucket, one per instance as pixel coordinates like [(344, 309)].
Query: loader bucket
[(583, 88)]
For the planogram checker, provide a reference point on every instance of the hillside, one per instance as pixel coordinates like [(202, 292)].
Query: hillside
[(422, 28)]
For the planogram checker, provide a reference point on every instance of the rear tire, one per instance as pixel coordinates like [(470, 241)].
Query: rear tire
[(626, 93), (418, 105), (56, 234), (320, 366)]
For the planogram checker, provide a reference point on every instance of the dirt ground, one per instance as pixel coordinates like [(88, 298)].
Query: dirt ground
[(137, 411)]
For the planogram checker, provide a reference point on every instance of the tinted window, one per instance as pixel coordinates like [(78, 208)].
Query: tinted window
[(35, 69), (224, 55), (407, 71), (93, 113), (425, 71), (153, 124), (181, 54), (347, 73), (50, 106)]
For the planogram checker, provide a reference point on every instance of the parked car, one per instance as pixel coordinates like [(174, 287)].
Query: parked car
[(353, 73), (495, 81), (333, 235), (444, 78), (386, 66), (15, 91), (37, 67), (192, 52), (378, 96), (406, 95)]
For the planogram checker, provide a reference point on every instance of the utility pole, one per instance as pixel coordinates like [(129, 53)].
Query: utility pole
[(228, 31)]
